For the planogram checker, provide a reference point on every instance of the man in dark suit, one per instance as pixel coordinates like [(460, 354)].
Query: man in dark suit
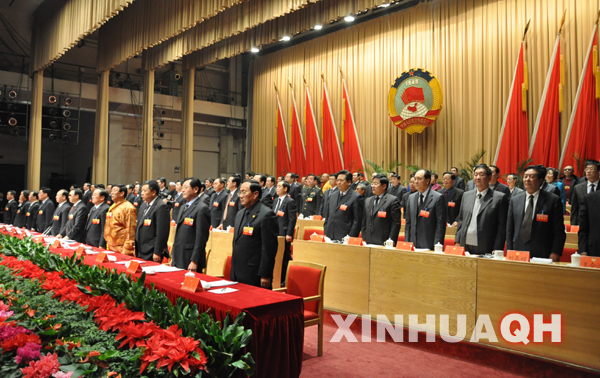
[(589, 219), (591, 185), (232, 203), (425, 214), (358, 178), (21, 217), (328, 192), (152, 230), (269, 192), (32, 213), (75, 227), (11, 207), (87, 195), (495, 185), (535, 218), (411, 186), (295, 187), (189, 247), (486, 231), (61, 213), (208, 187), (130, 195), (381, 217), (46, 210), (179, 201), (218, 201), (396, 189), (285, 209), (459, 182), (94, 227), (569, 180), (512, 180), (255, 239), (344, 211), (452, 196)]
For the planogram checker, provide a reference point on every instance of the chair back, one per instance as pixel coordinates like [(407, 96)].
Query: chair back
[(310, 231), (227, 269), (306, 279), (568, 250), (278, 262)]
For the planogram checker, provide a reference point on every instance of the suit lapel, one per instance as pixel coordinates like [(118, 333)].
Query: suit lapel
[(540, 203), (486, 200)]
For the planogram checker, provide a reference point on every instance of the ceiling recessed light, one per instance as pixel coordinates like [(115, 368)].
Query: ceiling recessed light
[(318, 27), (255, 49), (383, 5), (285, 38), (349, 18)]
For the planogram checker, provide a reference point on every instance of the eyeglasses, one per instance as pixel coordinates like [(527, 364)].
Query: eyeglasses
[(591, 169), (568, 169)]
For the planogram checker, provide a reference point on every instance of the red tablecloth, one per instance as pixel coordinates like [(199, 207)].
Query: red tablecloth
[(276, 319)]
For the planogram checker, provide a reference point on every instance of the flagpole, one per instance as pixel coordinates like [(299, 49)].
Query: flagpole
[(297, 119), (337, 141), (312, 111), (362, 162)]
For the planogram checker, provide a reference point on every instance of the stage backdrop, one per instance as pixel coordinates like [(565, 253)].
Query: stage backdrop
[(471, 46)]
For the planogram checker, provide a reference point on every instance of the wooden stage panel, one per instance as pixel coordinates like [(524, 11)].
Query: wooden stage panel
[(422, 283), (347, 277), (527, 288), (221, 246)]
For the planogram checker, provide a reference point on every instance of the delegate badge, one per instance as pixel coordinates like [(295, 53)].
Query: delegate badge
[(415, 100)]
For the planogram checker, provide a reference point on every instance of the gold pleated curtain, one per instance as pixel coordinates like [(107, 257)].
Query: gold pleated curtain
[(60, 25), (471, 47)]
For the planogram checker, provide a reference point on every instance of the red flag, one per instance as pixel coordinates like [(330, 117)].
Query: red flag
[(353, 160), (514, 135), (283, 149), (298, 152), (332, 155), (583, 139), (544, 140), (314, 153)]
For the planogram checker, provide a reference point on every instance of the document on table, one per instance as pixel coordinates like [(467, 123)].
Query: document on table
[(220, 283), (422, 249), (161, 268), (224, 290), (126, 263), (90, 252)]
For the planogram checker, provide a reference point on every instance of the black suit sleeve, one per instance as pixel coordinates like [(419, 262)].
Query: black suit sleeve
[(366, 212), (202, 233), (359, 208), (461, 185), (440, 228), (102, 216), (64, 218), (459, 226), (79, 222), (162, 230), (291, 214), (510, 225), (501, 234), (13, 212), (584, 226), (396, 221), (558, 227), (268, 228)]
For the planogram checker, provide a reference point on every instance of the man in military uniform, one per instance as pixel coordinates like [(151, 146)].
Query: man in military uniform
[(311, 196)]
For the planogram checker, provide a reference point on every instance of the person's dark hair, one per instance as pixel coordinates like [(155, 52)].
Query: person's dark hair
[(487, 169), (360, 174), (383, 180), (286, 185), (345, 172), (452, 175), (222, 180), (163, 180), (554, 173), (296, 177), (272, 179), (236, 180), (129, 186), (412, 175), (179, 181), (514, 176), (496, 169), (46, 190), (362, 186), (435, 175), (122, 188), (426, 174), (211, 180), (35, 194), (262, 179), (313, 175), (394, 174), (26, 194), (454, 168), (153, 186), (254, 186), (77, 192), (540, 170), (195, 183), (103, 193), (14, 193), (65, 193), (100, 186), (592, 162)]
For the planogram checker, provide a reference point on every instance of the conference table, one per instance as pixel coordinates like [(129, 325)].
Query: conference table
[(276, 319), (372, 280)]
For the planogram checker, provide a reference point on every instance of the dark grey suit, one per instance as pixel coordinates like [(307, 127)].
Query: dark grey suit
[(454, 197), (10, 211), (459, 183), (60, 217), (32, 215), (382, 222), (268, 195), (589, 219), (546, 237), (45, 212), (579, 192), (425, 232), (470, 185), (190, 239), (94, 227), (233, 206), (326, 199), (286, 220), (75, 226), (515, 191), (217, 206), (21, 217), (338, 222), (491, 221), (151, 239), (178, 203), (500, 187), (254, 255)]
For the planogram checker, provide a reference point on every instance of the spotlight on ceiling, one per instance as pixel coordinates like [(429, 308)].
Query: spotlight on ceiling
[(160, 134), (177, 76), (68, 101), (285, 38), (53, 136), (161, 122), (66, 113), (66, 126), (157, 147), (12, 94), (318, 27), (162, 112), (52, 99), (65, 137), (254, 49), (54, 124), (12, 121), (349, 18)]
